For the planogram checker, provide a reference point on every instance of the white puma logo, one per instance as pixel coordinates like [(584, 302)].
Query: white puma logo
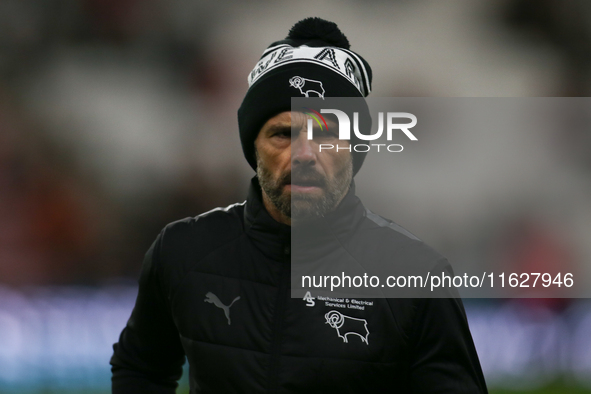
[(213, 299)]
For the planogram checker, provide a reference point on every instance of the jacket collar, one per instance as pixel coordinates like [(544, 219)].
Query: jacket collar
[(313, 238), (272, 238), (318, 238)]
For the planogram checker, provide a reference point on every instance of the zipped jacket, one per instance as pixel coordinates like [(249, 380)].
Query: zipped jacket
[(216, 290)]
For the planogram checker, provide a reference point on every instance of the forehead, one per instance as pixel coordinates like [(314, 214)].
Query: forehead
[(281, 118), (293, 119)]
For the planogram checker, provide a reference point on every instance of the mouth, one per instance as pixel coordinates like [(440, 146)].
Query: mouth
[(304, 182), (305, 186)]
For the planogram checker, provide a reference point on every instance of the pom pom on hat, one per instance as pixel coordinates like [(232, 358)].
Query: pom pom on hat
[(316, 28)]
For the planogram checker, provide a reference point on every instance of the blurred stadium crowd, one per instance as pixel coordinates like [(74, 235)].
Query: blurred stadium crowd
[(119, 116)]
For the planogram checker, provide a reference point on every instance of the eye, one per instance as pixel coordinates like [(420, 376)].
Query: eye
[(285, 133)]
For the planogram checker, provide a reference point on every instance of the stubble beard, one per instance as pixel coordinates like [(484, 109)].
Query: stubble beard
[(300, 206)]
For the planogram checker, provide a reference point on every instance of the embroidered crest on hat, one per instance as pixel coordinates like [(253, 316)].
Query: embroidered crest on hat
[(307, 86)]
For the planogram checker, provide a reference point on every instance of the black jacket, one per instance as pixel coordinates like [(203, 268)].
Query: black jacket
[(216, 288)]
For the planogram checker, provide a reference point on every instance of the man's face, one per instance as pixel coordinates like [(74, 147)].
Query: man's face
[(301, 182)]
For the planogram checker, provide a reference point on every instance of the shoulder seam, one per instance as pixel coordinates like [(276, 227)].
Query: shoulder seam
[(221, 209), (380, 221)]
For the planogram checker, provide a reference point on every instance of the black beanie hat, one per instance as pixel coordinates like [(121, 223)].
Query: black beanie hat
[(313, 61)]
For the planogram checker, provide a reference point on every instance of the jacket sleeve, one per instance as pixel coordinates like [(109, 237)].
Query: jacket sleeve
[(443, 356), (148, 357)]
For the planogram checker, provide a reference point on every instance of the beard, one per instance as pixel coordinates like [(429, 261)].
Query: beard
[(304, 206)]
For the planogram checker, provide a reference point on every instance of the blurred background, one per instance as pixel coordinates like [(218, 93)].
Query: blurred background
[(119, 116)]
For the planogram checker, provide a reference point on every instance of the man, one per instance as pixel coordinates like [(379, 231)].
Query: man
[(216, 288)]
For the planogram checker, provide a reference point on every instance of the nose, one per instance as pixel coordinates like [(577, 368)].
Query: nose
[(302, 150)]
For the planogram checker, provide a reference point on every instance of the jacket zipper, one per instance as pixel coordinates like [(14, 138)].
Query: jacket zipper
[(282, 296)]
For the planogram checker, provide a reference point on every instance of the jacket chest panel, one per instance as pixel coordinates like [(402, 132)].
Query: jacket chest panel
[(354, 329), (228, 327), (242, 314), (225, 311)]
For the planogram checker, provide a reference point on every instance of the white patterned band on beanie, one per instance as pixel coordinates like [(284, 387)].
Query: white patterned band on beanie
[(338, 60)]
